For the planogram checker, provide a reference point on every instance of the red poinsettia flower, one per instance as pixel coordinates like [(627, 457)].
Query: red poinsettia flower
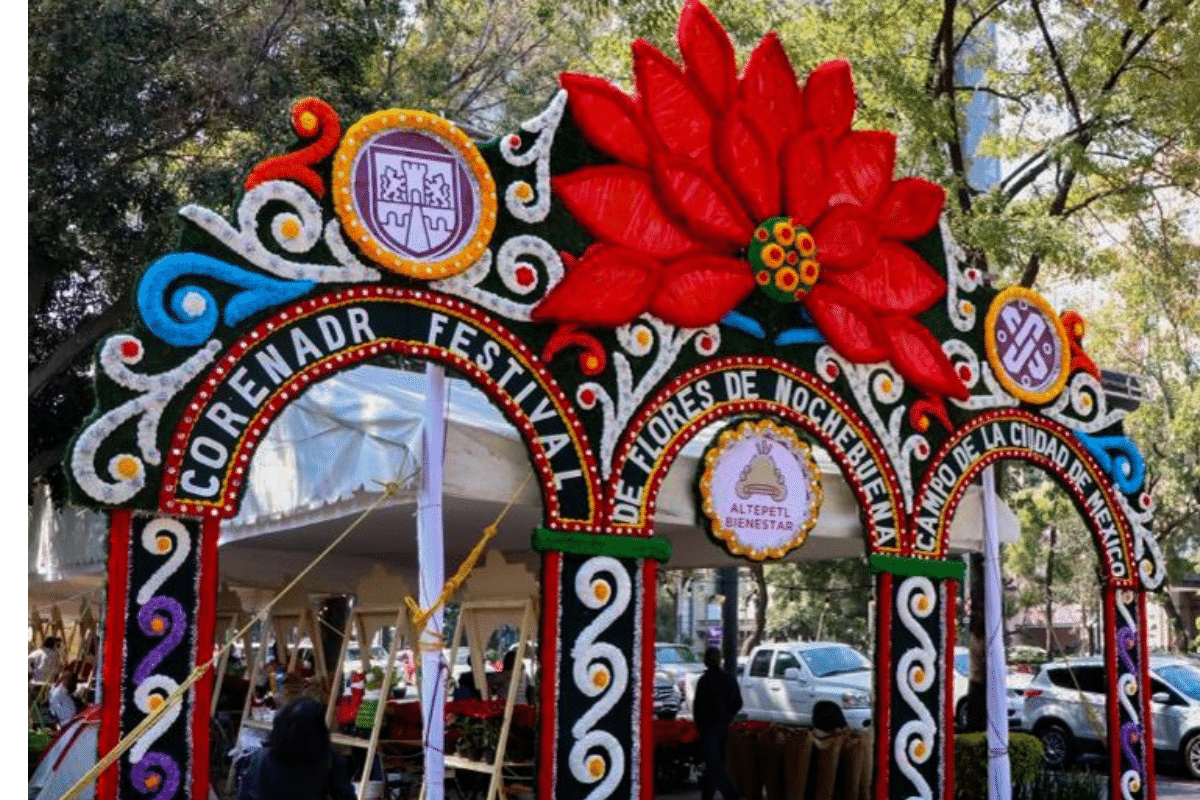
[(724, 182)]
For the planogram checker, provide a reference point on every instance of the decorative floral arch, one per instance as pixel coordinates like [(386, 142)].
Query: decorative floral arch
[(589, 270)]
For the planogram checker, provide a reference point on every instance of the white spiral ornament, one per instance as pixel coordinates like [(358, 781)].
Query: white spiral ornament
[(154, 392), (916, 672), (600, 671), (296, 231), (163, 536), (148, 697), (532, 203)]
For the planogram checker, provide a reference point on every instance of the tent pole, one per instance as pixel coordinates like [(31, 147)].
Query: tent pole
[(999, 781), (431, 564)]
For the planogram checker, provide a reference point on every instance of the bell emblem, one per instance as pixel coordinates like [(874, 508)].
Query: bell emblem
[(762, 476)]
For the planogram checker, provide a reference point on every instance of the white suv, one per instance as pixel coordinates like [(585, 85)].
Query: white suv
[(1065, 707)]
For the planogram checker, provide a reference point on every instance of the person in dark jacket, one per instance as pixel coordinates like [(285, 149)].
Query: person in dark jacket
[(298, 762), (718, 700)]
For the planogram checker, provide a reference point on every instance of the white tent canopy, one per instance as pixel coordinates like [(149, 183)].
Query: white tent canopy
[(328, 454)]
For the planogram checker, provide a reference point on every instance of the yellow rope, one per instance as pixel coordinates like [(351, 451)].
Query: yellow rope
[(420, 617), (390, 488)]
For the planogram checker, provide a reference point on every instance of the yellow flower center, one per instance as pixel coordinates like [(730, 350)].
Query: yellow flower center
[(782, 255)]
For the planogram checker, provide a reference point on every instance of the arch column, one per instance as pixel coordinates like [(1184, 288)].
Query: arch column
[(1126, 654), (914, 652), (162, 592), (596, 690)]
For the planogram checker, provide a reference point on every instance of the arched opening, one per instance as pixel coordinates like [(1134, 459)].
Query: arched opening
[(1118, 730)]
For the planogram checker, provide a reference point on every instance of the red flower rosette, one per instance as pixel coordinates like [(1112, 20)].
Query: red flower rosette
[(722, 182)]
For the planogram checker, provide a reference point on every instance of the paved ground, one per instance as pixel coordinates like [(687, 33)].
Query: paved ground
[(1170, 787)]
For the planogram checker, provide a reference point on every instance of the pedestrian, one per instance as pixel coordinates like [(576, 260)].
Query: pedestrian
[(297, 762), (44, 663), (503, 680), (718, 700), (466, 689), (62, 698)]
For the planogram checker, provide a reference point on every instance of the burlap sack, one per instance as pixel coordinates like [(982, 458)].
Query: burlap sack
[(855, 750), (867, 776), (797, 747), (743, 764), (828, 752), (770, 759)]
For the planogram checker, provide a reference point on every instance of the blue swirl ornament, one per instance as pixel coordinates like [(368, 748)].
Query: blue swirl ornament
[(745, 324), (800, 336), (189, 316), (1118, 457)]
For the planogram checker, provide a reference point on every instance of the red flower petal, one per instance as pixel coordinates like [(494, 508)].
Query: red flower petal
[(862, 167), (829, 98), (910, 209), (698, 291), (846, 237), (771, 91), (745, 159), (705, 205), (805, 183), (617, 204), (608, 118), (675, 107), (846, 323), (895, 281), (707, 53), (607, 287), (918, 356)]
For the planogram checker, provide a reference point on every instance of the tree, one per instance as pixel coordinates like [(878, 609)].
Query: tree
[(136, 108), (1151, 328), (1054, 561), (826, 600)]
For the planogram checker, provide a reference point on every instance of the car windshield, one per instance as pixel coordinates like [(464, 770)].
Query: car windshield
[(1184, 678), (352, 653), (962, 664), (676, 655), (834, 660)]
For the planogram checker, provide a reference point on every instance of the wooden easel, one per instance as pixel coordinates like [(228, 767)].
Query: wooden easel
[(291, 614), (497, 593), (379, 602), (231, 618)]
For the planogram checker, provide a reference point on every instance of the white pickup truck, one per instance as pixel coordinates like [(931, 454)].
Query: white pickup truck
[(822, 684)]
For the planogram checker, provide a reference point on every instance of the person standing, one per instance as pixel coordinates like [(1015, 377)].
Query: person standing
[(718, 700), (44, 663), (62, 698), (297, 762)]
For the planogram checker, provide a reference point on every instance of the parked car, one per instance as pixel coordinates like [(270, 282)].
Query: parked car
[(1065, 707), (1014, 696), (679, 666), (822, 684), (667, 700)]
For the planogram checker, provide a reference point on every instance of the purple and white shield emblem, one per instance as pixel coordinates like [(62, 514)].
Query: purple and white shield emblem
[(415, 195)]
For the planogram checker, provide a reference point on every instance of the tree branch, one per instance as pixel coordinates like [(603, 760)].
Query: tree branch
[(83, 338), (1059, 68)]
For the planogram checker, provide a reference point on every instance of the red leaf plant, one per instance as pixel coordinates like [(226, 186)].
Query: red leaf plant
[(724, 183)]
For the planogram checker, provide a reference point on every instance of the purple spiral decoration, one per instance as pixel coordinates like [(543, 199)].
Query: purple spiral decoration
[(1130, 732), (169, 773), (1126, 641), (173, 634)]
